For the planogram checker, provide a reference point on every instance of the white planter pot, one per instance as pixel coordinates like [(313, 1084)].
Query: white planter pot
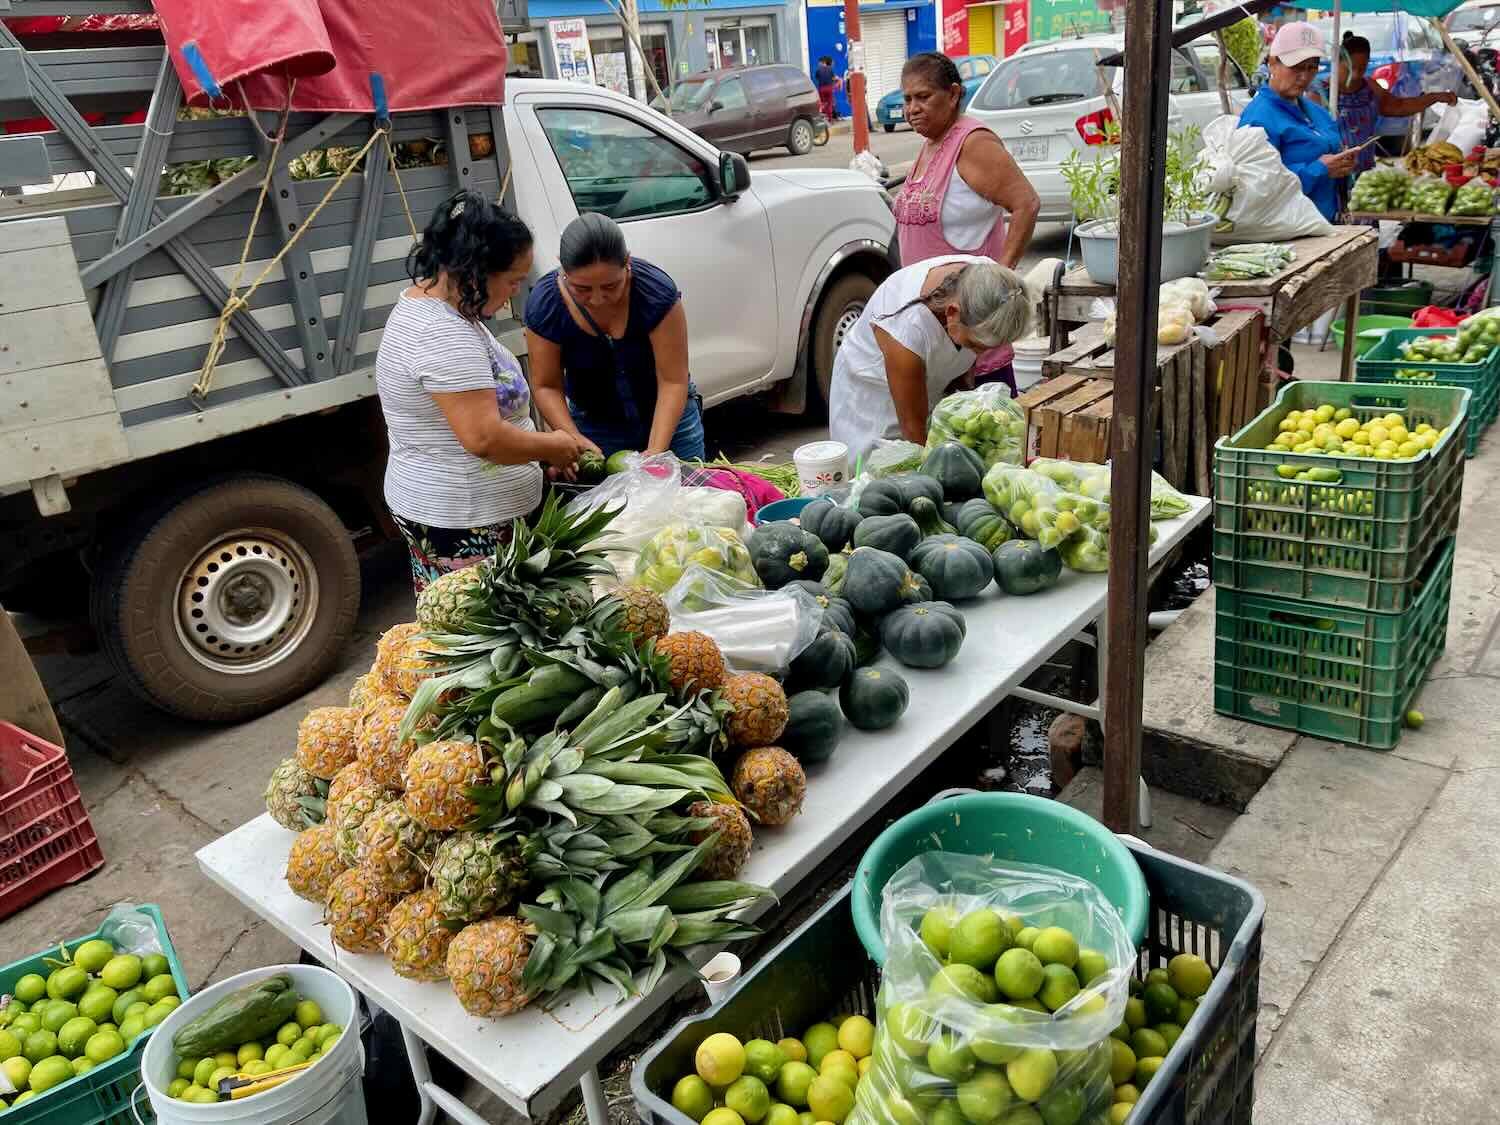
[(1184, 248)]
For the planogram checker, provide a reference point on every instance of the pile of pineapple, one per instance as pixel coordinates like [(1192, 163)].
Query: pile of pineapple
[(523, 771)]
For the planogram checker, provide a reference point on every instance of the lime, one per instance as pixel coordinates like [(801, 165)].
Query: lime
[(1027, 936), (23, 1096), (1145, 1042), (67, 982), (950, 1059), (81, 1065), (51, 1071), (984, 1098), (830, 1099), (159, 1011), (93, 955), (947, 1113), (1161, 1002), (720, 1059), (105, 1045), (763, 1059), (909, 1029), (837, 1057), (249, 1052), (122, 1002), (1120, 1112), (308, 1013), (1059, 985), (185, 1067), (256, 1066), (289, 1033), (58, 1013), (748, 1097), (154, 965), (220, 1073), (865, 1064), (131, 1026), (1160, 976), (1135, 1013), (276, 1055), (121, 971), (205, 1097), (1145, 1069), (963, 981), (806, 1118), (98, 1003), (10, 1045), (857, 1036), (1018, 973), (1121, 1062), (899, 1110), (1063, 1105), (191, 1093), (991, 1031), (74, 1034), (30, 988), (1032, 1072), (1055, 946), (793, 1082), (618, 462), (979, 939), (177, 1086), (723, 1116), (204, 1068), (792, 1049), (1122, 1033), (846, 1072), (1023, 1114), (39, 1045), (158, 988), (1170, 1032), (937, 929), (819, 1039), (27, 1022), (1031, 1004), (781, 1114), (139, 1008), (1091, 965), (330, 1032), (692, 1096), (1185, 1010)]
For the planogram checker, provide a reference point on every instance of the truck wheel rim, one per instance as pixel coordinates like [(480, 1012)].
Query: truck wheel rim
[(846, 322), (246, 602), (802, 135)]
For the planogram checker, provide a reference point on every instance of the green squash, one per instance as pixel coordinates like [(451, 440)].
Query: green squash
[(925, 635), (978, 520), (830, 523), (814, 725), (913, 485), (950, 511), (957, 468), (878, 581), (897, 534), (874, 698), (881, 497), (826, 663), (930, 519), (782, 552), (837, 613), (1024, 566), (833, 577), (957, 568)]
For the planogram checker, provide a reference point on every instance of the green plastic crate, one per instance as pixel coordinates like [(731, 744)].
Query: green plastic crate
[(103, 1095), (1358, 543), (1384, 360), (1345, 675)]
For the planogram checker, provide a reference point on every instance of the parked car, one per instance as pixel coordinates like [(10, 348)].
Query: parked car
[(972, 69), (1047, 102), (1475, 23), (745, 108)]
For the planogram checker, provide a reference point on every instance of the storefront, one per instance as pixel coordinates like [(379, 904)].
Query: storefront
[(891, 32), (1002, 27)]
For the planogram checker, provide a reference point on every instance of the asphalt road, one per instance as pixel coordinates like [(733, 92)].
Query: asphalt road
[(896, 148)]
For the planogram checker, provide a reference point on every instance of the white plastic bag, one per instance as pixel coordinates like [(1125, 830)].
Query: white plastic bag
[(1267, 204), (1462, 125), (666, 556), (756, 630)]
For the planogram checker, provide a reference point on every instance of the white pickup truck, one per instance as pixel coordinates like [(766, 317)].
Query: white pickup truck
[(217, 532)]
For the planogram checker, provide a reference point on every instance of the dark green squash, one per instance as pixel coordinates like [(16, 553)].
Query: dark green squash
[(979, 520), (957, 468), (912, 485), (830, 523), (814, 725), (957, 568), (826, 663), (1024, 566), (950, 510), (874, 698), (783, 552), (881, 497), (878, 581), (930, 519), (925, 635), (897, 534), (837, 613)]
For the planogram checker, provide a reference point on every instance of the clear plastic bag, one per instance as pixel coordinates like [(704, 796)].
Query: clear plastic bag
[(668, 554), (756, 630), (952, 1031), (1030, 501), (893, 455), (131, 930), (986, 420), (1093, 481)]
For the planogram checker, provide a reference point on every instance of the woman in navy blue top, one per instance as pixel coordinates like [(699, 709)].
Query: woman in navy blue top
[(606, 339)]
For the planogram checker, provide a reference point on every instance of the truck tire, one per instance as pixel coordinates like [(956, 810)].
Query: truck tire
[(230, 600), (799, 138), (836, 315)]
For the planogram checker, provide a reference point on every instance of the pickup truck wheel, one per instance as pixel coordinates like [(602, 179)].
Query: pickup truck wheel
[(232, 600), (799, 138), (840, 309)]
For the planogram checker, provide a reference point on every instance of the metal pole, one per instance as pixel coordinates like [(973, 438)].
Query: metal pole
[(1148, 55), (859, 111), (1333, 63)]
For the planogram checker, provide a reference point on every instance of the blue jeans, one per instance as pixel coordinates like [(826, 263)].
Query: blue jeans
[(611, 435)]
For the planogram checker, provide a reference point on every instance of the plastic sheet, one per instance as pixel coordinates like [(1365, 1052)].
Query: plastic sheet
[(986, 420), (131, 930), (756, 630)]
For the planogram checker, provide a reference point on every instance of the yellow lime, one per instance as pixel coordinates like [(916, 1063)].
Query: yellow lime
[(837, 1057), (159, 988), (720, 1059), (845, 1072), (121, 971), (1324, 413), (857, 1036), (289, 1033), (793, 1082), (308, 1013), (10, 1045), (1056, 946), (1019, 973), (781, 1114), (937, 929), (1059, 985), (1146, 1068), (1121, 1062), (177, 1086), (963, 981), (951, 1060), (984, 1098), (1026, 936), (864, 1065), (830, 1099), (806, 1118), (220, 1073), (249, 1052), (1120, 1112), (819, 1039), (792, 1049), (1341, 413), (105, 1045), (81, 1065), (276, 1055), (1135, 1012), (51, 1071), (1091, 965), (909, 1029), (723, 1116), (93, 955), (226, 1058), (204, 1068), (748, 1097), (1189, 975), (1170, 1032), (256, 1066), (30, 988), (1378, 434)]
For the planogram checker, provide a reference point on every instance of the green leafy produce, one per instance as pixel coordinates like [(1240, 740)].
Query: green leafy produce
[(1428, 195), (675, 547), (891, 456), (1244, 44), (1471, 346), (985, 420), (1250, 260), (1380, 189), (924, 635), (874, 698), (1476, 198), (248, 1013)]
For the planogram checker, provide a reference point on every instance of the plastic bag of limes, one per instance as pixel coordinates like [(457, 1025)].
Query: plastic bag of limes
[(1001, 987), (986, 420)]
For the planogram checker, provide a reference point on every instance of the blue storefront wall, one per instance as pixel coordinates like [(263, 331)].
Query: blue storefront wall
[(826, 35)]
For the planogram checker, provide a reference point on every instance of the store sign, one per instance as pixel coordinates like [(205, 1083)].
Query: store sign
[(1017, 27), (1053, 19), (570, 50), (956, 32)]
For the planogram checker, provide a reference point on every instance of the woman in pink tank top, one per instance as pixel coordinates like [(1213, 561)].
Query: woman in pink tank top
[(964, 158)]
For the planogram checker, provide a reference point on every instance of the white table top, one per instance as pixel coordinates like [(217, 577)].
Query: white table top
[(532, 1059)]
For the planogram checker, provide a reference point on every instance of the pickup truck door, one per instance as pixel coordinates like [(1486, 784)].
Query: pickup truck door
[(659, 182)]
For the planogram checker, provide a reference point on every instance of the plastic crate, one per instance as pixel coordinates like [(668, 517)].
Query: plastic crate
[(819, 970), (1358, 543), (46, 839), (1383, 361), (1344, 675), (103, 1095)]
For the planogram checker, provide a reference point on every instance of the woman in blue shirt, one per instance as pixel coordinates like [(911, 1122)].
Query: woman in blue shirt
[(1298, 128)]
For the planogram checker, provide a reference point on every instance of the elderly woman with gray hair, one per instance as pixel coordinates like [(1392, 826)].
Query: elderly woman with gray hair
[(920, 333)]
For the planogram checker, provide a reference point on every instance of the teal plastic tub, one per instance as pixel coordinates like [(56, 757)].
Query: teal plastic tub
[(1008, 826), (1368, 331)]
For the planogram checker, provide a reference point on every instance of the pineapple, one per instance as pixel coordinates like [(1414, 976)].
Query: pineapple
[(444, 606), (294, 797), (313, 863), (770, 783), (696, 663), (351, 812), (395, 848), (348, 779), (416, 941), (759, 710), (476, 874), (731, 850), (644, 615), (355, 910), (325, 740), (388, 648), (365, 689), (485, 963), (411, 662), (378, 744), (435, 779)]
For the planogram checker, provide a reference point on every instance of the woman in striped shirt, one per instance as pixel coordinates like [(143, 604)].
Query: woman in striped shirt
[(464, 451)]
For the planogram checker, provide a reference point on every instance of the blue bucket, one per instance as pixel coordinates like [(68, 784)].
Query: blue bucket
[(782, 510)]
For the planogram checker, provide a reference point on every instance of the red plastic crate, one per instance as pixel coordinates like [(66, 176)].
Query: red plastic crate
[(46, 840)]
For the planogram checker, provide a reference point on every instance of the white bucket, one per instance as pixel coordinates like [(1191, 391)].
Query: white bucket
[(329, 1093), (821, 465), (1026, 365)]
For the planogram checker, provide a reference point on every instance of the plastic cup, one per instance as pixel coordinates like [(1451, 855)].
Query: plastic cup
[(821, 466)]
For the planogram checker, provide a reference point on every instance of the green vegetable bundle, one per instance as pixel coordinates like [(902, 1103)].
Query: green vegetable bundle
[(891, 456), (1476, 198), (986, 420), (1471, 347), (1428, 195), (1092, 481), (1379, 189), (1252, 259)]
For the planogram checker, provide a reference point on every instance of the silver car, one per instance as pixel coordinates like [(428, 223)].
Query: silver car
[(1047, 102)]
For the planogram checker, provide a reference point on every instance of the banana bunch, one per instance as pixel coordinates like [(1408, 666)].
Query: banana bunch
[(1433, 159)]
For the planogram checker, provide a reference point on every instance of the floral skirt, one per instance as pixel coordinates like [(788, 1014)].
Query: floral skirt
[(436, 551)]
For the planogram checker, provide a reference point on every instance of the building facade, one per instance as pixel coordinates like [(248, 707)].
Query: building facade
[(890, 32)]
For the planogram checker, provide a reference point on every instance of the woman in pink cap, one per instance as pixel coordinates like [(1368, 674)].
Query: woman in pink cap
[(960, 188)]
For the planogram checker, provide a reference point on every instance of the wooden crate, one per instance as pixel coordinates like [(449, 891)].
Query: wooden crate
[(1237, 387), (1054, 421)]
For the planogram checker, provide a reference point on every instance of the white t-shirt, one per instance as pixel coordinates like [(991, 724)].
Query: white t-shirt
[(431, 478), (860, 408)]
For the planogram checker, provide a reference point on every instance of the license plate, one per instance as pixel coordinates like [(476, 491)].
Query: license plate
[(1028, 149)]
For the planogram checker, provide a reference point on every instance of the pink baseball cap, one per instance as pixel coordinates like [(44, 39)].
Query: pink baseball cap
[(1295, 43)]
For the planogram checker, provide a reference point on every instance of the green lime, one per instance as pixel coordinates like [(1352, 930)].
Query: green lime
[(937, 929), (330, 1032), (1185, 1010), (139, 1008), (951, 1060), (276, 1055), (24, 1024), (1059, 985), (1415, 719), (723, 1116), (1121, 1062), (1055, 946), (21, 1098), (93, 955), (105, 1045), (1062, 1105), (256, 1066), (308, 1013), (121, 971), (1091, 965), (225, 1058), (131, 1026), (984, 1098), (830, 1099), (82, 1065), (1119, 1113), (692, 1096), (288, 1033), (176, 1087), (39, 1045), (793, 1083), (1032, 1073), (203, 1070), (51, 1071), (899, 1110), (763, 1060), (1146, 1068), (792, 1049), (159, 988), (1145, 1042), (618, 462), (1135, 1013), (1190, 975), (857, 1036), (249, 1052), (909, 1029), (74, 1034), (720, 1059), (819, 1039), (947, 1113), (67, 982), (98, 1003), (10, 1045), (185, 1067), (781, 1114), (963, 981), (1161, 976), (17, 1070), (154, 965), (1122, 1033), (1027, 936), (806, 1118), (159, 1011), (1023, 1114), (1170, 1032), (30, 988), (1019, 973), (219, 1074), (58, 1013), (122, 1002), (1161, 1002), (748, 1096), (990, 1033)]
